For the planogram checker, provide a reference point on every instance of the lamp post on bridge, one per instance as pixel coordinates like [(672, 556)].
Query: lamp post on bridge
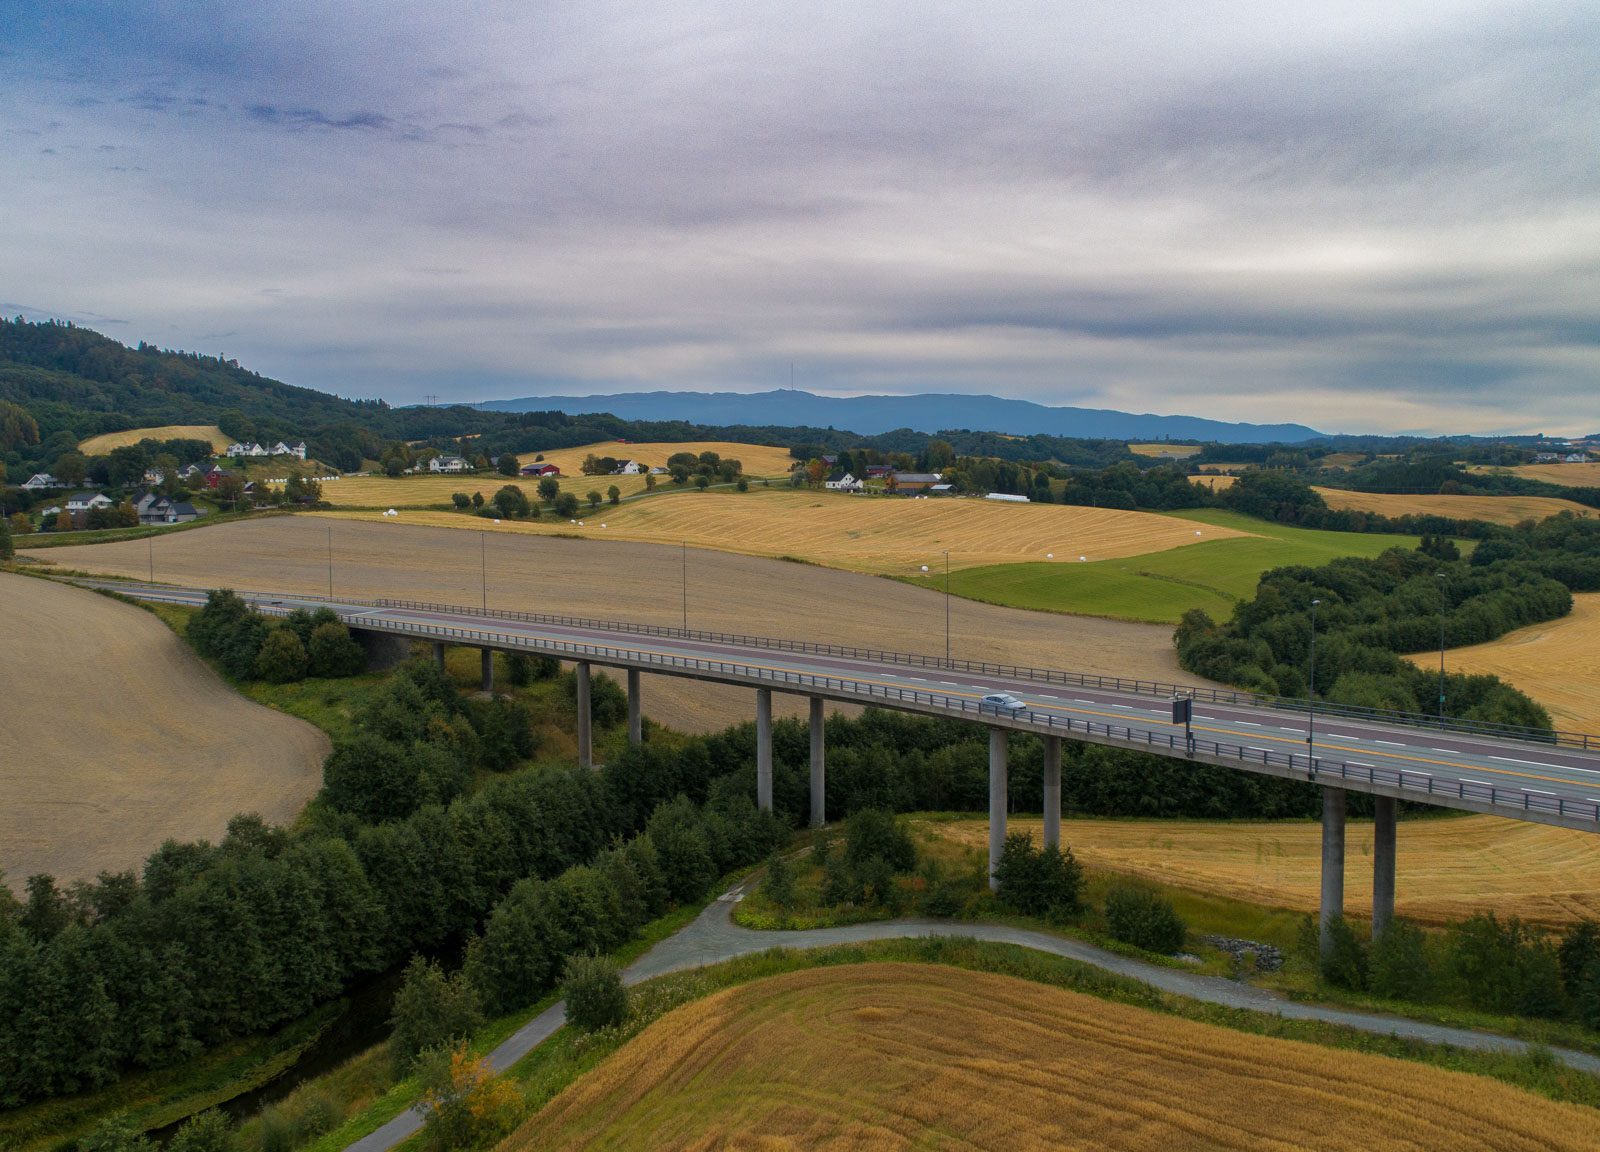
[(1311, 696), (1444, 603), (947, 605)]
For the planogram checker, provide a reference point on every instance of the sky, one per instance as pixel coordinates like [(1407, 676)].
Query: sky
[(1359, 216)]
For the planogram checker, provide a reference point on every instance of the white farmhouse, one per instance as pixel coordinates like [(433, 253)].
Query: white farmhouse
[(449, 464), (629, 468), (39, 481), (845, 483)]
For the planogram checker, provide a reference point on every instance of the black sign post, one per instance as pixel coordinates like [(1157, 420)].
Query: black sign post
[(1183, 713)]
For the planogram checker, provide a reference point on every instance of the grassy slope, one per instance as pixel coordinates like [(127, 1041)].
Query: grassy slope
[(1160, 587)]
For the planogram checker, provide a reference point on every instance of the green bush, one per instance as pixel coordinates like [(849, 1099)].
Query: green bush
[(115, 1135), (208, 1132), (1398, 967), (1036, 882), (1504, 966), (229, 631), (333, 651), (778, 884), (1144, 918), (595, 997), (874, 833), (1345, 965), (431, 1010), (282, 657)]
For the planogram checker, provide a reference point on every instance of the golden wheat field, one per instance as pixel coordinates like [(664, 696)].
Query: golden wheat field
[(881, 535), (116, 737), (104, 443), (1495, 509), (1567, 475), (1215, 481), (1557, 663), (1448, 868), (616, 579), (890, 1056), (1169, 451), (382, 492)]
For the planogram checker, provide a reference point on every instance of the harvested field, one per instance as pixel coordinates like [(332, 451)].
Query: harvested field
[(1495, 509), (1168, 451), (892, 1056), (101, 445), (1554, 662), (1448, 869), (879, 535), (630, 581), (1215, 481), (1226, 467), (381, 491), (1567, 475), (117, 737)]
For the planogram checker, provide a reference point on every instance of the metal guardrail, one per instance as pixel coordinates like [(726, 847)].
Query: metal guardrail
[(1155, 688), (1316, 769)]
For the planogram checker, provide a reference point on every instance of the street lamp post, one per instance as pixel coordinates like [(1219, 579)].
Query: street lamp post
[(1311, 723), (947, 604), (685, 544), (1443, 605), (330, 561), (483, 567)]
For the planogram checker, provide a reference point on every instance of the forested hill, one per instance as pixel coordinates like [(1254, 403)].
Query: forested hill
[(73, 377)]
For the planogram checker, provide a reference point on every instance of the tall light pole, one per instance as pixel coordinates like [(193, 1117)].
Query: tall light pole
[(330, 561), (947, 604), (152, 559), (685, 544), (1311, 723), (483, 567), (1443, 605)]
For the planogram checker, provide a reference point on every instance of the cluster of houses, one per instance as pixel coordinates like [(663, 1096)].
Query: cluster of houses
[(1561, 458), (152, 507), (893, 482), (252, 451)]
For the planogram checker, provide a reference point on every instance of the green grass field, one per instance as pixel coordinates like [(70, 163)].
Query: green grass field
[(1160, 587)]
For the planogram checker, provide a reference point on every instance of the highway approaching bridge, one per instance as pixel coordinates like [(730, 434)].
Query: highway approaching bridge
[(1549, 780)]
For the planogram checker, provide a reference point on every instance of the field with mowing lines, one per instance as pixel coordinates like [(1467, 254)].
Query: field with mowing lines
[(628, 581), (1160, 587), (1449, 868), (101, 445), (1567, 475), (1495, 509), (1554, 662), (117, 737), (1214, 481), (879, 535), (419, 491), (901, 1056), (1165, 451)]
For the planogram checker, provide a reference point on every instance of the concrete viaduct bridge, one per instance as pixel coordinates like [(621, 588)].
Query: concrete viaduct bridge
[(1541, 777)]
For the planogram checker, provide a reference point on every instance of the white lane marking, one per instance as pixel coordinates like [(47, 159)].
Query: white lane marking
[(1333, 735), (1485, 783), (1390, 743), (1247, 723), (1127, 707), (1514, 760), (1361, 764), (1253, 748), (1447, 751), (1083, 701), (1538, 791)]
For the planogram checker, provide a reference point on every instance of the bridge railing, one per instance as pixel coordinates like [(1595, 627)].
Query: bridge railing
[(1318, 769), (1154, 688)]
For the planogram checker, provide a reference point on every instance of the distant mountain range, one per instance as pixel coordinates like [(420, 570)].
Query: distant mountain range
[(871, 415)]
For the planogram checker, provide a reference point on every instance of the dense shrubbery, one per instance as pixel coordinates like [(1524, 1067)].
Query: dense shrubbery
[(231, 632), (592, 987), (1144, 918), (1039, 882), (1373, 610), (1484, 963)]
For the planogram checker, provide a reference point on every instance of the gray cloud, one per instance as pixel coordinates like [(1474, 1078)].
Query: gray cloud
[(1361, 217)]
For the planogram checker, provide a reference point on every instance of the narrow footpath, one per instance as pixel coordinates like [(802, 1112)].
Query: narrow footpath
[(713, 937)]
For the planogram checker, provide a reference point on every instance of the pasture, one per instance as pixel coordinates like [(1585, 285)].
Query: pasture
[(630, 581), (874, 534), (1448, 868), (893, 1055), (1566, 475), (380, 491), (1554, 662), (1495, 509), (1159, 587), (103, 444), (118, 737), (1166, 451)]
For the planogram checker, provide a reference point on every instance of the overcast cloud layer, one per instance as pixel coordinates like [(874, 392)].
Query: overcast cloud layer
[(1363, 216)]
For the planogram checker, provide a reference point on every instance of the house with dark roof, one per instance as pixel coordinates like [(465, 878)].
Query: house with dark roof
[(540, 469)]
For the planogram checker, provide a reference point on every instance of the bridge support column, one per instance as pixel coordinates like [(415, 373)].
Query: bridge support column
[(764, 749), (438, 654), (488, 670), (1332, 906), (819, 798), (635, 717), (997, 802), (580, 676), (1052, 791), (1382, 865)]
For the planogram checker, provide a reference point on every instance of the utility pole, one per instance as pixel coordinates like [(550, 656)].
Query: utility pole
[(483, 567), (330, 561), (685, 585), (1444, 603), (1311, 723), (947, 605), (152, 559)]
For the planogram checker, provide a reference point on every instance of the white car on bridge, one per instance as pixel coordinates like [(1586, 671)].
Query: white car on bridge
[(1002, 704)]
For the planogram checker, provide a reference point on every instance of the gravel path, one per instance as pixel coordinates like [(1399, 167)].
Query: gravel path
[(713, 937)]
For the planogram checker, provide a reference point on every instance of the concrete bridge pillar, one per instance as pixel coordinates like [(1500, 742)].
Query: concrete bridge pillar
[(635, 716), (764, 749), (998, 773), (488, 670), (1382, 865), (438, 654), (819, 798), (1332, 906), (580, 676), (1052, 791)]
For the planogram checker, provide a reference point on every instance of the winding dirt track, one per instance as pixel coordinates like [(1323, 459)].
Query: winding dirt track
[(114, 736), (630, 581)]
